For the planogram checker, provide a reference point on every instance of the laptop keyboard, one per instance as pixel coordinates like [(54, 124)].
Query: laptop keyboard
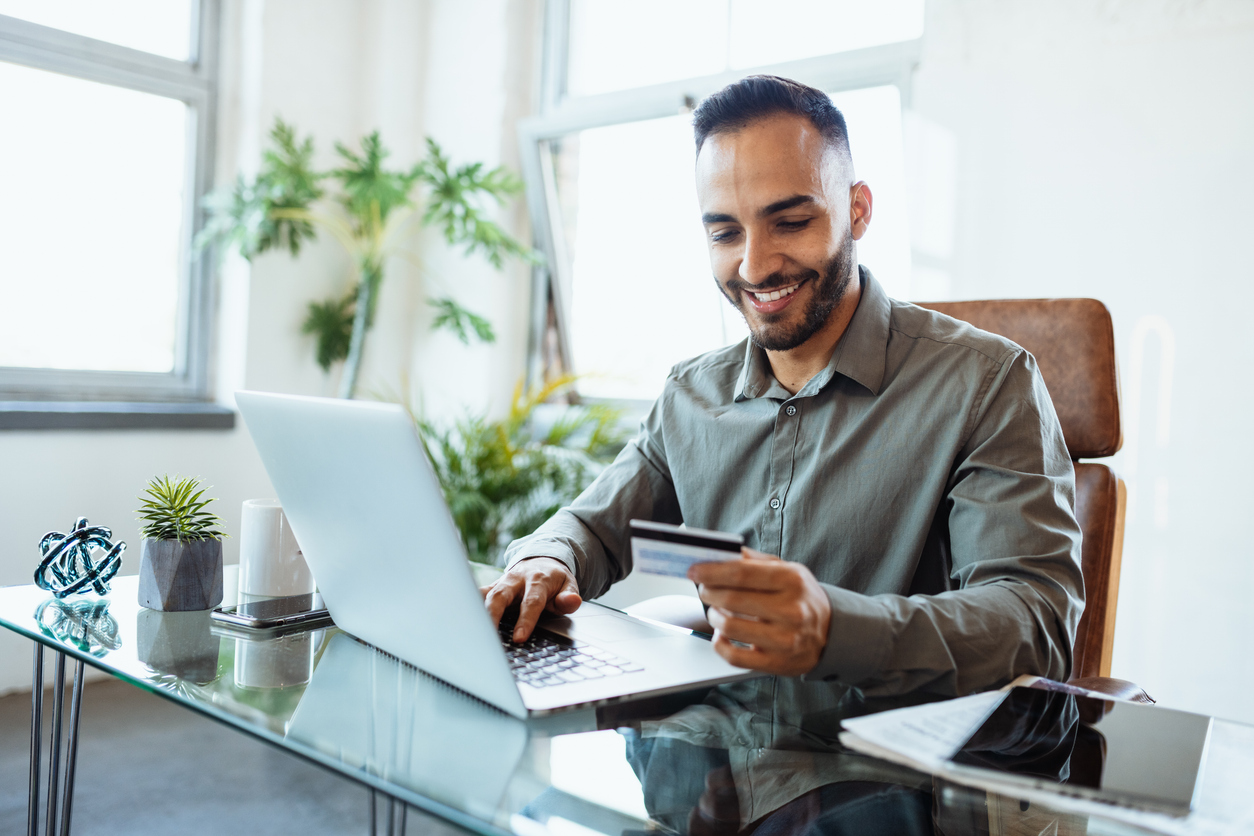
[(545, 660)]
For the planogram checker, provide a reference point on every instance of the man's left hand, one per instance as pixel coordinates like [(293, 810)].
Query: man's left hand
[(776, 608)]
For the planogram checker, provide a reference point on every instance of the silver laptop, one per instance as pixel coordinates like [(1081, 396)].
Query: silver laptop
[(370, 517)]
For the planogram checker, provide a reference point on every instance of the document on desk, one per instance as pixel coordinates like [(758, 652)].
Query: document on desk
[(923, 736)]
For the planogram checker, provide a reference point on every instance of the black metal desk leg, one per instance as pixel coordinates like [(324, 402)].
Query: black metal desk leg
[(36, 738), (71, 755), (398, 813), (54, 748)]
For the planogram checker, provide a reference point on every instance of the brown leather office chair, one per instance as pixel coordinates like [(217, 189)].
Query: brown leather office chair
[(1073, 342)]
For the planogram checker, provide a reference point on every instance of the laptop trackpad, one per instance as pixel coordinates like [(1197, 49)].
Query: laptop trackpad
[(602, 629)]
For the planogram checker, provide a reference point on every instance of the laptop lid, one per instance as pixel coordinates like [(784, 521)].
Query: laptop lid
[(370, 517)]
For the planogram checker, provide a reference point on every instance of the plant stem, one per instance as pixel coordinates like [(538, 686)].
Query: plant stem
[(371, 273)]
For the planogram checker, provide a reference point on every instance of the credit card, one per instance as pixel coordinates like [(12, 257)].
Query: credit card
[(661, 549)]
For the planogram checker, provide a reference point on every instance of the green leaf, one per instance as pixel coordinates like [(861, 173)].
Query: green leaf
[(243, 218), (370, 192), (502, 480), (173, 510), (460, 321), (331, 325), (455, 205)]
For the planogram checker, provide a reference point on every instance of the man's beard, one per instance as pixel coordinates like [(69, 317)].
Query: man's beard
[(829, 290)]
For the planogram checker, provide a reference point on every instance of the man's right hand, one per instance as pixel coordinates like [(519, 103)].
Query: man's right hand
[(537, 584)]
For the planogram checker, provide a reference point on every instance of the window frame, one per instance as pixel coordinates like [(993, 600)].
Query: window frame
[(561, 115), (68, 392)]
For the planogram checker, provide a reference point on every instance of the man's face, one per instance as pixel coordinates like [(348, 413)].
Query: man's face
[(775, 202)]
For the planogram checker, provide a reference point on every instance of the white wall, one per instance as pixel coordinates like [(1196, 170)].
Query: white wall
[(1103, 149), (335, 69)]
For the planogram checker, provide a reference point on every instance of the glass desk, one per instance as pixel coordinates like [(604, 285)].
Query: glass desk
[(692, 764)]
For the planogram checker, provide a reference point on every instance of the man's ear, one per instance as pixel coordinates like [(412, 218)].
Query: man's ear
[(859, 209)]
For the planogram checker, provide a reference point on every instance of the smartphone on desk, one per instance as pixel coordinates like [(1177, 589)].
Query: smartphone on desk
[(303, 611)]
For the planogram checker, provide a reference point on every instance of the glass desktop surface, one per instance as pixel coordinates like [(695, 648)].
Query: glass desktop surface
[(682, 765)]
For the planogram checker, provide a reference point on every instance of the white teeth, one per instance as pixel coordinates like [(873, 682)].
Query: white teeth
[(778, 294)]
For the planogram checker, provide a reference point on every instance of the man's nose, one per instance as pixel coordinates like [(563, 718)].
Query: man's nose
[(760, 259)]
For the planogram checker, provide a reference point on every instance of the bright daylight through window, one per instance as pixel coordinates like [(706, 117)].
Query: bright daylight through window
[(97, 224), (105, 147), (635, 287)]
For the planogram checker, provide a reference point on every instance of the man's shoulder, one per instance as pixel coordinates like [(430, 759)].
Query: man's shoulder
[(948, 334), (718, 368)]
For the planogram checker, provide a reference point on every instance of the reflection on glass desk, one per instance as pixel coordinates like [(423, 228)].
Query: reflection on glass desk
[(700, 763)]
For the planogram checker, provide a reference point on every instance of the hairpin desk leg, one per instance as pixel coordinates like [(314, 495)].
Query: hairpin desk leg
[(54, 748), (396, 816), (36, 738), (71, 755)]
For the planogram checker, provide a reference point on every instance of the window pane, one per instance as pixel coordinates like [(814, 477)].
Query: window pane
[(615, 46), (769, 31), (163, 27), (92, 206), (642, 296), (873, 117)]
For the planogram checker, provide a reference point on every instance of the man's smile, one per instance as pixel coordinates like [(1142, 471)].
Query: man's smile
[(772, 301)]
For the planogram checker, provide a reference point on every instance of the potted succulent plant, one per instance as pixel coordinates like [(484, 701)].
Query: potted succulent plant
[(180, 561)]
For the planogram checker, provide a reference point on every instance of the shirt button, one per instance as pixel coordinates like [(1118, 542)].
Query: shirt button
[(791, 410), (775, 503)]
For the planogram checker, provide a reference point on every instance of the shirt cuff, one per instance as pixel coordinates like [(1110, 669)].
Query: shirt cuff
[(859, 638), (543, 548)]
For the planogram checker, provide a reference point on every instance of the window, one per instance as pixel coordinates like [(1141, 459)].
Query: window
[(106, 154), (609, 166)]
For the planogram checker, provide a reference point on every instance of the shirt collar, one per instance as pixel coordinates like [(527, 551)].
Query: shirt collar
[(860, 354)]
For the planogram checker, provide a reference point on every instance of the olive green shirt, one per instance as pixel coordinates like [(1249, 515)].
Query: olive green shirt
[(921, 476)]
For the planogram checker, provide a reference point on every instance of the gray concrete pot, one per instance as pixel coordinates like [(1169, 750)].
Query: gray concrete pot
[(179, 577)]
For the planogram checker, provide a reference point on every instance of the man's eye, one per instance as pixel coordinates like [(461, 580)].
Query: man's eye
[(795, 224), (723, 236)]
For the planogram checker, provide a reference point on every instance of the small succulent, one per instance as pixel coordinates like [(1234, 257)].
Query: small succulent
[(174, 510)]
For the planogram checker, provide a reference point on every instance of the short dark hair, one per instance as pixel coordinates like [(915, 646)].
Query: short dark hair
[(757, 96)]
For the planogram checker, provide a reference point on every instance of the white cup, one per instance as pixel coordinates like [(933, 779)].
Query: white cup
[(270, 560)]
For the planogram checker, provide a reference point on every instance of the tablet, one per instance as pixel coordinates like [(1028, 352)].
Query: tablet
[(1120, 752)]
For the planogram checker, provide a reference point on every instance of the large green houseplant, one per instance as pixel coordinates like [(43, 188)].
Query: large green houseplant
[(373, 216)]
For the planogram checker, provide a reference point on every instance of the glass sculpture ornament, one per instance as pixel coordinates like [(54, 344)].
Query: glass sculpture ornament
[(67, 564), (85, 624)]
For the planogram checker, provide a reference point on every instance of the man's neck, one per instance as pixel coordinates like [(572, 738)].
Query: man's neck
[(794, 368)]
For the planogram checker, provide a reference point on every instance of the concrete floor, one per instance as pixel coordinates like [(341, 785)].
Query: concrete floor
[(148, 766)]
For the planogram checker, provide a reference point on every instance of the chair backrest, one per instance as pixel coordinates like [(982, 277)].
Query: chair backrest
[(1073, 341)]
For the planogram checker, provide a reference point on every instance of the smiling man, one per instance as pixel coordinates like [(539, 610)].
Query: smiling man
[(900, 478)]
